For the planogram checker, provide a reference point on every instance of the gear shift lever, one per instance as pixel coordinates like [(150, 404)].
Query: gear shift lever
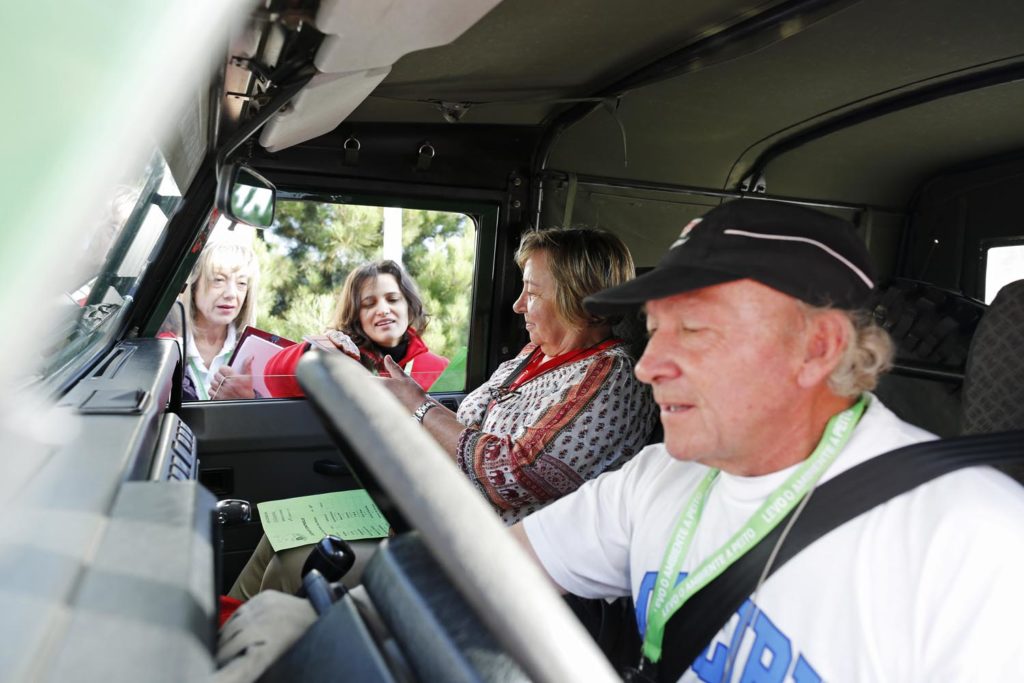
[(329, 560), (232, 511), (332, 557)]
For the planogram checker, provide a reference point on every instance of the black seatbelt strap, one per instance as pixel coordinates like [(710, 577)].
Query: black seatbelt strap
[(833, 503), (501, 392)]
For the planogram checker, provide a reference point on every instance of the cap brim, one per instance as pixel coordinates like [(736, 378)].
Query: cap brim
[(657, 284)]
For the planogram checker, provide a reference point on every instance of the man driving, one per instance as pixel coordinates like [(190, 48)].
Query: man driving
[(762, 358)]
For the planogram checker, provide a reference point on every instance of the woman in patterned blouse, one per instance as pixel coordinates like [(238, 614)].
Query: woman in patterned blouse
[(568, 407), (565, 409)]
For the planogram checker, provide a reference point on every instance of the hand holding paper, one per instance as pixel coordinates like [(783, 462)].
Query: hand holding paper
[(255, 347), (231, 384)]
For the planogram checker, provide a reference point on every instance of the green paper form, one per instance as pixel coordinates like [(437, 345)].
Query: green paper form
[(292, 522)]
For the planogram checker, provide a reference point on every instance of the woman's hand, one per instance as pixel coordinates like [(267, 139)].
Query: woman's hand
[(404, 387), (440, 422), (344, 343), (228, 384)]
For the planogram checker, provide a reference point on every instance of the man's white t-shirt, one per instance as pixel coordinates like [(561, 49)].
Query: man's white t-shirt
[(926, 587)]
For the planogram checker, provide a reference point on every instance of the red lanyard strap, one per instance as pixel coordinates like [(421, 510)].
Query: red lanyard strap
[(533, 367)]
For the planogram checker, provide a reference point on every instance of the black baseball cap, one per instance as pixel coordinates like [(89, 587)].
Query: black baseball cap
[(804, 253)]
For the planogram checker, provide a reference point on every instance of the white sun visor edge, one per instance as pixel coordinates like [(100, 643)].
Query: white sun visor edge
[(361, 35), (362, 41)]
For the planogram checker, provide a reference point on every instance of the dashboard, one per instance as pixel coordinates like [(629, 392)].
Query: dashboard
[(109, 557), (107, 553)]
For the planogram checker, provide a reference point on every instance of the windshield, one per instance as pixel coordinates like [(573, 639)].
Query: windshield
[(112, 257)]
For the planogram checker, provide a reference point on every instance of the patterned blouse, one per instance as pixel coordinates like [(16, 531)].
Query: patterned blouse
[(554, 432)]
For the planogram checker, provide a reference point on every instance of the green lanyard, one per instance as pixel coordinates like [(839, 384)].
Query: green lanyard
[(201, 393), (200, 377), (666, 600)]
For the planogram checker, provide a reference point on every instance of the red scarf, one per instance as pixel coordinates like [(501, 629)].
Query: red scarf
[(536, 365)]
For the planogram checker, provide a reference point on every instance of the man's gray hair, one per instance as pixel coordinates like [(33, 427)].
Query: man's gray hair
[(868, 355)]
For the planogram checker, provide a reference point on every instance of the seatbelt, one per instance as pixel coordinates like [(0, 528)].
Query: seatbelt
[(837, 501)]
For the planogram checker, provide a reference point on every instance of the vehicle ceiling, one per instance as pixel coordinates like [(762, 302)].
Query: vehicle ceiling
[(691, 95), (706, 127)]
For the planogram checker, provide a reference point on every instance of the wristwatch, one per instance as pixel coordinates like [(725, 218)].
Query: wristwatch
[(423, 408)]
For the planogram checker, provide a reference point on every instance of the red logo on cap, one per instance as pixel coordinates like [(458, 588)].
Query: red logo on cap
[(684, 236)]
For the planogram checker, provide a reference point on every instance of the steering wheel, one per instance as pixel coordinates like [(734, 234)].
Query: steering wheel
[(504, 586)]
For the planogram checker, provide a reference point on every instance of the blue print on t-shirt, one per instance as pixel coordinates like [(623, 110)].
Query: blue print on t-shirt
[(771, 658), (713, 668)]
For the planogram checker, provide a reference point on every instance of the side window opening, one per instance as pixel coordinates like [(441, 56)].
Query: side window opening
[(303, 261), (1003, 264)]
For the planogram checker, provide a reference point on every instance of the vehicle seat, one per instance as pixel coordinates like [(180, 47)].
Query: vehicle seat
[(632, 329), (993, 390), (932, 327), (993, 393)]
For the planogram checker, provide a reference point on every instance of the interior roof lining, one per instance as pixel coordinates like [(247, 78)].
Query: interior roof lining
[(967, 80), (731, 41)]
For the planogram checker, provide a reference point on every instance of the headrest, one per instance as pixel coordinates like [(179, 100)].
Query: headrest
[(993, 393)]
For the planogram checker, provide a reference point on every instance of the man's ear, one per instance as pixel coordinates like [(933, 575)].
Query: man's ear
[(828, 334)]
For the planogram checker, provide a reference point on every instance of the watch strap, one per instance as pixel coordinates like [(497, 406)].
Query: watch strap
[(421, 411)]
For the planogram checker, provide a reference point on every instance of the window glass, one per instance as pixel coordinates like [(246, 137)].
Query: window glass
[(112, 257), (304, 260), (1003, 265)]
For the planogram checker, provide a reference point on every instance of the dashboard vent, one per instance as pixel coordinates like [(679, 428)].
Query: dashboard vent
[(183, 454), (175, 458)]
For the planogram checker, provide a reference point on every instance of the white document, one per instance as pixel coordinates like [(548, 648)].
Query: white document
[(260, 350)]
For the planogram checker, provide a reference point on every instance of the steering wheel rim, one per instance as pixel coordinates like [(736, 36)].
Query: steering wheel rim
[(505, 587)]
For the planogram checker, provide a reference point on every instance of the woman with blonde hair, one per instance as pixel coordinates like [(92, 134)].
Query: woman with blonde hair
[(220, 301), (568, 406)]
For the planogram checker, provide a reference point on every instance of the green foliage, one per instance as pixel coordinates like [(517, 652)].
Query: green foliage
[(312, 247)]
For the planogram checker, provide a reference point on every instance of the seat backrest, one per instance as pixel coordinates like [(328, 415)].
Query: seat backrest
[(993, 391), (933, 327), (632, 329)]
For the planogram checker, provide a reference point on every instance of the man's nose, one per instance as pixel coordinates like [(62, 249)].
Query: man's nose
[(656, 364)]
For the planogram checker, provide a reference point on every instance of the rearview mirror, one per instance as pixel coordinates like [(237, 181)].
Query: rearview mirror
[(244, 196)]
